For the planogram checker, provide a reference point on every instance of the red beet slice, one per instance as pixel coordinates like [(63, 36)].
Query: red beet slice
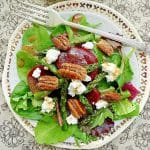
[(94, 74), (32, 82), (105, 128), (93, 96), (134, 92), (77, 55)]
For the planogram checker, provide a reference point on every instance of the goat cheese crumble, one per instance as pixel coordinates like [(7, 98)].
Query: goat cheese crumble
[(100, 104), (71, 119), (87, 78), (36, 73), (88, 45), (48, 104), (112, 70), (76, 87), (52, 55)]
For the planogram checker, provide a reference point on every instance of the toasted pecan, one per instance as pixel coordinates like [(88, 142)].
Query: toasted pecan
[(61, 42), (76, 19), (105, 47), (72, 71), (32, 82), (77, 108), (47, 82), (111, 96)]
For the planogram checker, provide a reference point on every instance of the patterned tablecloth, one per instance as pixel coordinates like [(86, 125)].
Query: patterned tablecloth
[(12, 134)]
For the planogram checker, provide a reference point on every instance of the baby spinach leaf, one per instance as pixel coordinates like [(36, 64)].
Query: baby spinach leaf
[(38, 37), (48, 131), (27, 61), (60, 29)]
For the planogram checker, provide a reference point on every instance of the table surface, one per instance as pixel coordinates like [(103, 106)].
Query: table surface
[(12, 134)]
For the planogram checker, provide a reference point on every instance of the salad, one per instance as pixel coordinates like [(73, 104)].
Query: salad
[(73, 83)]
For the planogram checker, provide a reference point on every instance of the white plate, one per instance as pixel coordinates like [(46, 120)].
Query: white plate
[(111, 21)]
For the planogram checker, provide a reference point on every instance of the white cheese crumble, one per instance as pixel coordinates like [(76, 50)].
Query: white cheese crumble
[(52, 55), (36, 73), (87, 78), (71, 119), (45, 68), (48, 104), (76, 87), (88, 45), (100, 104), (112, 70)]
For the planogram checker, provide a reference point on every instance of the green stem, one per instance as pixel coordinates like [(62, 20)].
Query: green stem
[(51, 67), (87, 105), (95, 82), (92, 67), (63, 102)]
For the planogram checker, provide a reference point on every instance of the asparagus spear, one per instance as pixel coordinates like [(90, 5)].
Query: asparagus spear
[(92, 67), (95, 82), (51, 67), (87, 105), (63, 101)]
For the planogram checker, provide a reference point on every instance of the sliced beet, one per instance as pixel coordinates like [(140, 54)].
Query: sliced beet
[(103, 129), (93, 96), (76, 55), (94, 74), (132, 89)]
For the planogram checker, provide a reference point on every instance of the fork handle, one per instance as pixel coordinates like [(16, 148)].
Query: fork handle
[(136, 44)]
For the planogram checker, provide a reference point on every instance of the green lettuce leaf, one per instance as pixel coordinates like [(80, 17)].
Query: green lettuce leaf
[(21, 99), (83, 137), (38, 37), (60, 29), (28, 61), (48, 131), (125, 109), (127, 73), (115, 58), (99, 54)]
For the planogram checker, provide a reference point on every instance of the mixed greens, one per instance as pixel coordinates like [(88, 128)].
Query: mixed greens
[(63, 105)]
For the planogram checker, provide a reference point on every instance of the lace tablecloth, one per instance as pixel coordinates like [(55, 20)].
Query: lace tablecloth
[(12, 134)]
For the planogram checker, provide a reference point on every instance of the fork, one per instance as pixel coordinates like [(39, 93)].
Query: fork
[(50, 17)]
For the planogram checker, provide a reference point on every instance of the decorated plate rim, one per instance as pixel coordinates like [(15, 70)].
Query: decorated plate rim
[(93, 7)]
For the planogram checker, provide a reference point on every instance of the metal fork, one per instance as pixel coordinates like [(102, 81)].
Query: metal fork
[(49, 17)]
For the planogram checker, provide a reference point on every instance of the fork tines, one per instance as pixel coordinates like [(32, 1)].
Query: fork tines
[(31, 12)]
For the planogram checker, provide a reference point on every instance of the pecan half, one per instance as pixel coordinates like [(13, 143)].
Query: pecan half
[(47, 82), (77, 108), (72, 71), (114, 44), (76, 19), (32, 82), (111, 96), (61, 42), (105, 47)]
